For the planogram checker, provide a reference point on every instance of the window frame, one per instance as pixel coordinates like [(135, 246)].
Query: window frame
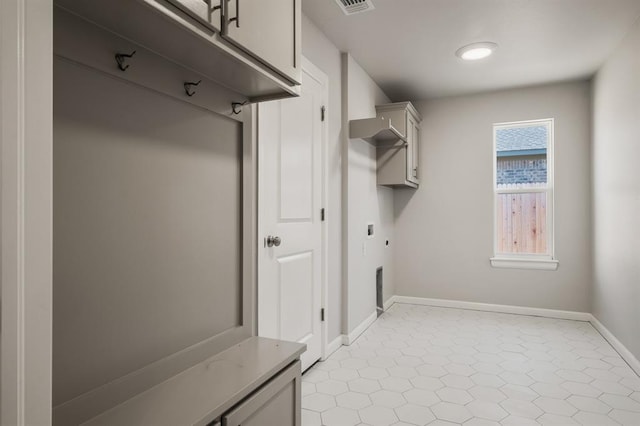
[(545, 261)]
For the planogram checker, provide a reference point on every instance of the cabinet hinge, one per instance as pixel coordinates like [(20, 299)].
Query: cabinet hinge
[(322, 314), (322, 214), (322, 111)]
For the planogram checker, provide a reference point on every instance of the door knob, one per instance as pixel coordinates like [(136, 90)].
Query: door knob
[(273, 241)]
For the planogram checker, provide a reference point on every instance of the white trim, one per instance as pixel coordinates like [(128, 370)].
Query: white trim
[(351, 337), (524, 263), (26, 158), (520, 190), (320, 76), (625, 353), (522, 123), (389, 303), (333, 346), (488, 307), (549, 190)]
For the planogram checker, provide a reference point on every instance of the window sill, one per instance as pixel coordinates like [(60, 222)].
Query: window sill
[(514, 263)]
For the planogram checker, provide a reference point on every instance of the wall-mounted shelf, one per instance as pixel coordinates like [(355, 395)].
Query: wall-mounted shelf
[(241, 59), (377, 131)]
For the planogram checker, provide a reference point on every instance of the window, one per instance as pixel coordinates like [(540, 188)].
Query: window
[(523, 195)]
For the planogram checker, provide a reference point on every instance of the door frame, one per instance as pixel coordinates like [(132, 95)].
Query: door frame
[(317, 74), (26, 139)]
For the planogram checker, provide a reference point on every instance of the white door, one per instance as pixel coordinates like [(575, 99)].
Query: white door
[(290, 261)]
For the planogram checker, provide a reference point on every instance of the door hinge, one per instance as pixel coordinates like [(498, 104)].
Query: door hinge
[(322, 214), (322, 314), (322, 111)]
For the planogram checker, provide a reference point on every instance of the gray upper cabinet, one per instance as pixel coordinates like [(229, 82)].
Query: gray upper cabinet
[(268, 30), (207, 12), (398, 162), (251, 47)]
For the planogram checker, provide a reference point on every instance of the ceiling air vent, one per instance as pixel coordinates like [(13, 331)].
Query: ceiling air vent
[(350, 7)]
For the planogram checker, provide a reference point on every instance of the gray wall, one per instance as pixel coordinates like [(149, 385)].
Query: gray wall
[(367, 202), (146, 220), (352, 186), (444, 229), (323, 54), (616, 193)]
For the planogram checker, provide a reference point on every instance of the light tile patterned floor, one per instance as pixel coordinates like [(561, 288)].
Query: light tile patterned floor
[(419, 365)]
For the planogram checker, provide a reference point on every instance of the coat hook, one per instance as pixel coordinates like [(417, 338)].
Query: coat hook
[(235, 105), (214, 8), (187, 87), (121, 57)]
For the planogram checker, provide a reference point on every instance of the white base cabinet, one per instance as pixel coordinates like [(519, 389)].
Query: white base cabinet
[(398, 161)]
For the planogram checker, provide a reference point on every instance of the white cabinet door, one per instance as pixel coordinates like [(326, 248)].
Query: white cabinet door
[(268, 30), (290, 138)]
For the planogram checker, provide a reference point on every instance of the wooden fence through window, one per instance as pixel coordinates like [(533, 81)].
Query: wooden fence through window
[(522, 223)]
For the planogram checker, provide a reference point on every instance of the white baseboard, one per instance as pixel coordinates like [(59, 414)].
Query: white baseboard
[(333, 346), (625, 353), (506, 309), (351, 337), (389, 303)]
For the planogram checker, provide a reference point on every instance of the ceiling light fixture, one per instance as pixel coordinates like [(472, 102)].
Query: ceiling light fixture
[(475, 51)]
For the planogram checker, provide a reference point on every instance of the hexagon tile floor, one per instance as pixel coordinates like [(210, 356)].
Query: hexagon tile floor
[(420, 365)]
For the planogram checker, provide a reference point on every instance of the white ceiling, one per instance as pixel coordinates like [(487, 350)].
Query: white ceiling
[(408, 46)]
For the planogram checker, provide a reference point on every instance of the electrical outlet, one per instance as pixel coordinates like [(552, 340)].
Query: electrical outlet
[(370, 231)]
